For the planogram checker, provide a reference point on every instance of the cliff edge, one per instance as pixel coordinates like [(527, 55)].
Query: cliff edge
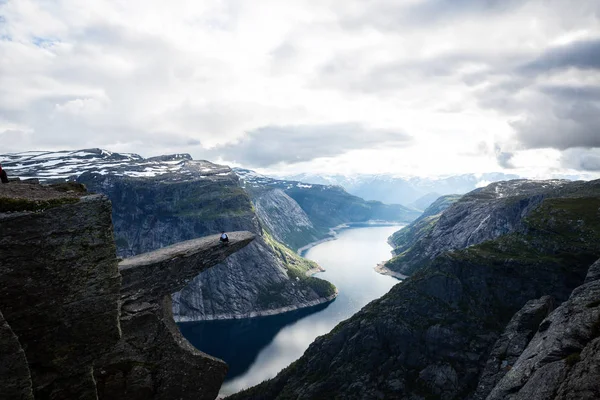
[(75, 322)]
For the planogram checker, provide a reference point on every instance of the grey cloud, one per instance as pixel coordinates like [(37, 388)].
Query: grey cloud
[(504, 158), (390, 15), (581, 159), (581, 54), (271, 145), (561, 126), (285, 50), (559, 116), (193, 142), (588, 93), (433, 9), (344, 71)]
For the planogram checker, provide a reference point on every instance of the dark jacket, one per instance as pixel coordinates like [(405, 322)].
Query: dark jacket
[(3, 176)]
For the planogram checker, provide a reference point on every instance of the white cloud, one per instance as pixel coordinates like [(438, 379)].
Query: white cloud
[(155, 77)]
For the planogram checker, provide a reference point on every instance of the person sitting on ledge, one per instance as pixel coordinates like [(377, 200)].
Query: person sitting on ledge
[(224, 239), (3, 176)]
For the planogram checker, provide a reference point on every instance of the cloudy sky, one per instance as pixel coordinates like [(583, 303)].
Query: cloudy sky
[(410, 87)]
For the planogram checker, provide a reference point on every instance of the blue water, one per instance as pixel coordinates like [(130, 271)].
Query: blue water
[(257, 349)]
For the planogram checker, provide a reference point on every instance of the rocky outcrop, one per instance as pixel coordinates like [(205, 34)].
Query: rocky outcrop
[(408, 236), (90, 327), (562, 361), (483, 214), (430, 337), (60, 289), (519, 331), (284, 218), (152, 359), (15, 379), (268, 281)]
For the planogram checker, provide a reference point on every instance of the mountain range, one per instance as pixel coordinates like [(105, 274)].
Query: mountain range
[(163, 200), (417, 192)]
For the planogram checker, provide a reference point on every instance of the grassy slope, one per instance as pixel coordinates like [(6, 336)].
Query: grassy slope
[(296, 267)]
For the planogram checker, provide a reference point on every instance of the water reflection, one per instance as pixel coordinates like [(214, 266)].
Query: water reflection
[(239, 342), (257, 349)]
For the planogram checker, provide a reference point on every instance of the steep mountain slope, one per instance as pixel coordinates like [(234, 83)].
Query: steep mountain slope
[(284, 218), (430, 337), (321, 208), (419, 228), (480, 215), (163, 200), (562, 360)]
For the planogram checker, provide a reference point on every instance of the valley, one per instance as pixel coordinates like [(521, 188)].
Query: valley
[(258, 349), (513, 261)]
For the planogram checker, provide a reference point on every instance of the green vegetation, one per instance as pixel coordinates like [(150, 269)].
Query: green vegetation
[(297, 267), (69, 187), (272, 297), (559, 231), (572, 359), (227, 201), (11, 205)]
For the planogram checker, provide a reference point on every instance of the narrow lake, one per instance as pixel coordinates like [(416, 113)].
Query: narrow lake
[(257, 349)]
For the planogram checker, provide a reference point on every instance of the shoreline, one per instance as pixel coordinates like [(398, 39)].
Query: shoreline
[(315, 270), (333, 232), (332, 236), (383, 270), (261, 313)]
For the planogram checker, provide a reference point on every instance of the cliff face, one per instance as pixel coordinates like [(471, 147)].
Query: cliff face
[(481, 215), (15, 378), (285, 219), (562, 360), (408, 236), (60, 282), (152, 360), (430, 337), (75, 323)]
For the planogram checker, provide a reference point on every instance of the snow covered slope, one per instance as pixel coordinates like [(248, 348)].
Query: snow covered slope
[(62, 165)]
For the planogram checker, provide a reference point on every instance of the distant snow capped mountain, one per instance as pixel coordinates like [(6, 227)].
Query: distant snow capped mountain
[(397, 190), (59, 165), (254, 180)]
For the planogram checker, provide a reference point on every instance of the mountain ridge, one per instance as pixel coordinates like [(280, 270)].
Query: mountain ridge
[(168, 199)]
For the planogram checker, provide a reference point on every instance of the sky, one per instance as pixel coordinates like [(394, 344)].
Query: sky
[(405, 87)]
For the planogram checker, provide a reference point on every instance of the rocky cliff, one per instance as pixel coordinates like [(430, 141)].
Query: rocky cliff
[(77, 324), (562, 360), (431, 337), (285, 219), (405, 238), (480, 215), (168, 199)]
